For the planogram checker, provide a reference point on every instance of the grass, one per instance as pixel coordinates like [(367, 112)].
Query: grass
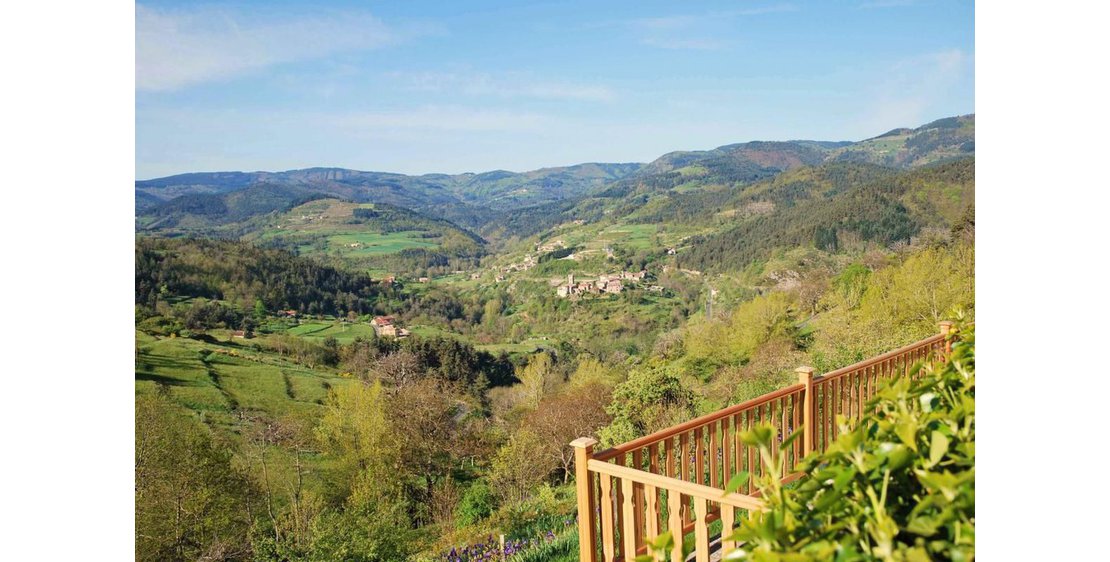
[(375, 243), (215, 379), (343, 332), (527, 346)]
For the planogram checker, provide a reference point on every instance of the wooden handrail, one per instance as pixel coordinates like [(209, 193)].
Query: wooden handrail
[(880, 358), (667, 483), (694, 423)]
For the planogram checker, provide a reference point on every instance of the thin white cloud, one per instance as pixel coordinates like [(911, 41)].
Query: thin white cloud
[(915, 85), (688, 31), (179, 48), (502, 86), (666, 22), (691, 43), (685, 21), (887, 4), (440, 118)]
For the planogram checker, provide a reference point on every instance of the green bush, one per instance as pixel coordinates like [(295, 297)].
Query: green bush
[(900, 485), (477, 503)]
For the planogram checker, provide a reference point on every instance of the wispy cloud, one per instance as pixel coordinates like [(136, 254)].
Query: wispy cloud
[(439, 118), (887, 4), (914, 85), (691, 43), (176, 48), (688, 31), (513, 85)]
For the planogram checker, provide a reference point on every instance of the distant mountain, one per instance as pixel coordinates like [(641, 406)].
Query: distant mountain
[(463, 198), (426, 194), (943, 139), (198, 211), (503, 204), (508, 190)]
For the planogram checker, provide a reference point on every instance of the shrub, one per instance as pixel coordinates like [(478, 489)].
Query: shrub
[(900, 485), (477, 503)]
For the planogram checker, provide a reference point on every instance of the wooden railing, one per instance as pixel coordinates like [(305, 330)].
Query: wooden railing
[(674, 479)]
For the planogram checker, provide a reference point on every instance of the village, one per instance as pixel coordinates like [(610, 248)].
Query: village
[(613, 284)]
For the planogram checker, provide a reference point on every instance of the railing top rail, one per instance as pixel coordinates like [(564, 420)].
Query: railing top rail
[(667, 483), (694, 423), (879, 358)]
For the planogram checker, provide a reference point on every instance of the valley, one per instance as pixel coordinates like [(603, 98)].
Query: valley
[(599, 299)]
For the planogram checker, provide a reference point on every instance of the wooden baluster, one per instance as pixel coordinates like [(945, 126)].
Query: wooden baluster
[(737, 446), (727, 469), (638, 498), (685, 466), (701, 531), (714, 464), (651, 517), (728, 521), (618, 501), (853, 394), (699, 456), (783, 426), (684, 460), (608, 541), (798, 412), (668, 456), (770, 418), (751, 453), (583, 450), (628, 517), (674, 523), (653, 497), (830, 419)]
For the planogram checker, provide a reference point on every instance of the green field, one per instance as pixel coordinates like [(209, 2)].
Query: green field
[(343, 332), (369, 244), (213, 379)]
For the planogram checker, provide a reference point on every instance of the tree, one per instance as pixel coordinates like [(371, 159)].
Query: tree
[(516, 468), (425, 417), (355, 431), (538, 377), (651, 399), (190, 500), (564, 417), (399, 368)]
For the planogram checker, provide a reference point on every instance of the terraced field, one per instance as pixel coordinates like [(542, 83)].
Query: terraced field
[(219, 380)]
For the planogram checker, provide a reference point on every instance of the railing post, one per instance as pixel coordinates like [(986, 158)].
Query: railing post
[(945, 330), (583, 451), (805, 376)]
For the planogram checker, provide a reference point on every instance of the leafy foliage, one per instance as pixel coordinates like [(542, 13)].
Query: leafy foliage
[(900, 485), (244, 274), (190, 501), (651, 399)]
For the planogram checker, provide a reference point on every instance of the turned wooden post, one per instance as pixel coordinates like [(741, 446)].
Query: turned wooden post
[(945, 330), (583, 450), (805, 376)]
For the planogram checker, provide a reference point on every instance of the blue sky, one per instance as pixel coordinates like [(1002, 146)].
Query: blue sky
[(420, 86)]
